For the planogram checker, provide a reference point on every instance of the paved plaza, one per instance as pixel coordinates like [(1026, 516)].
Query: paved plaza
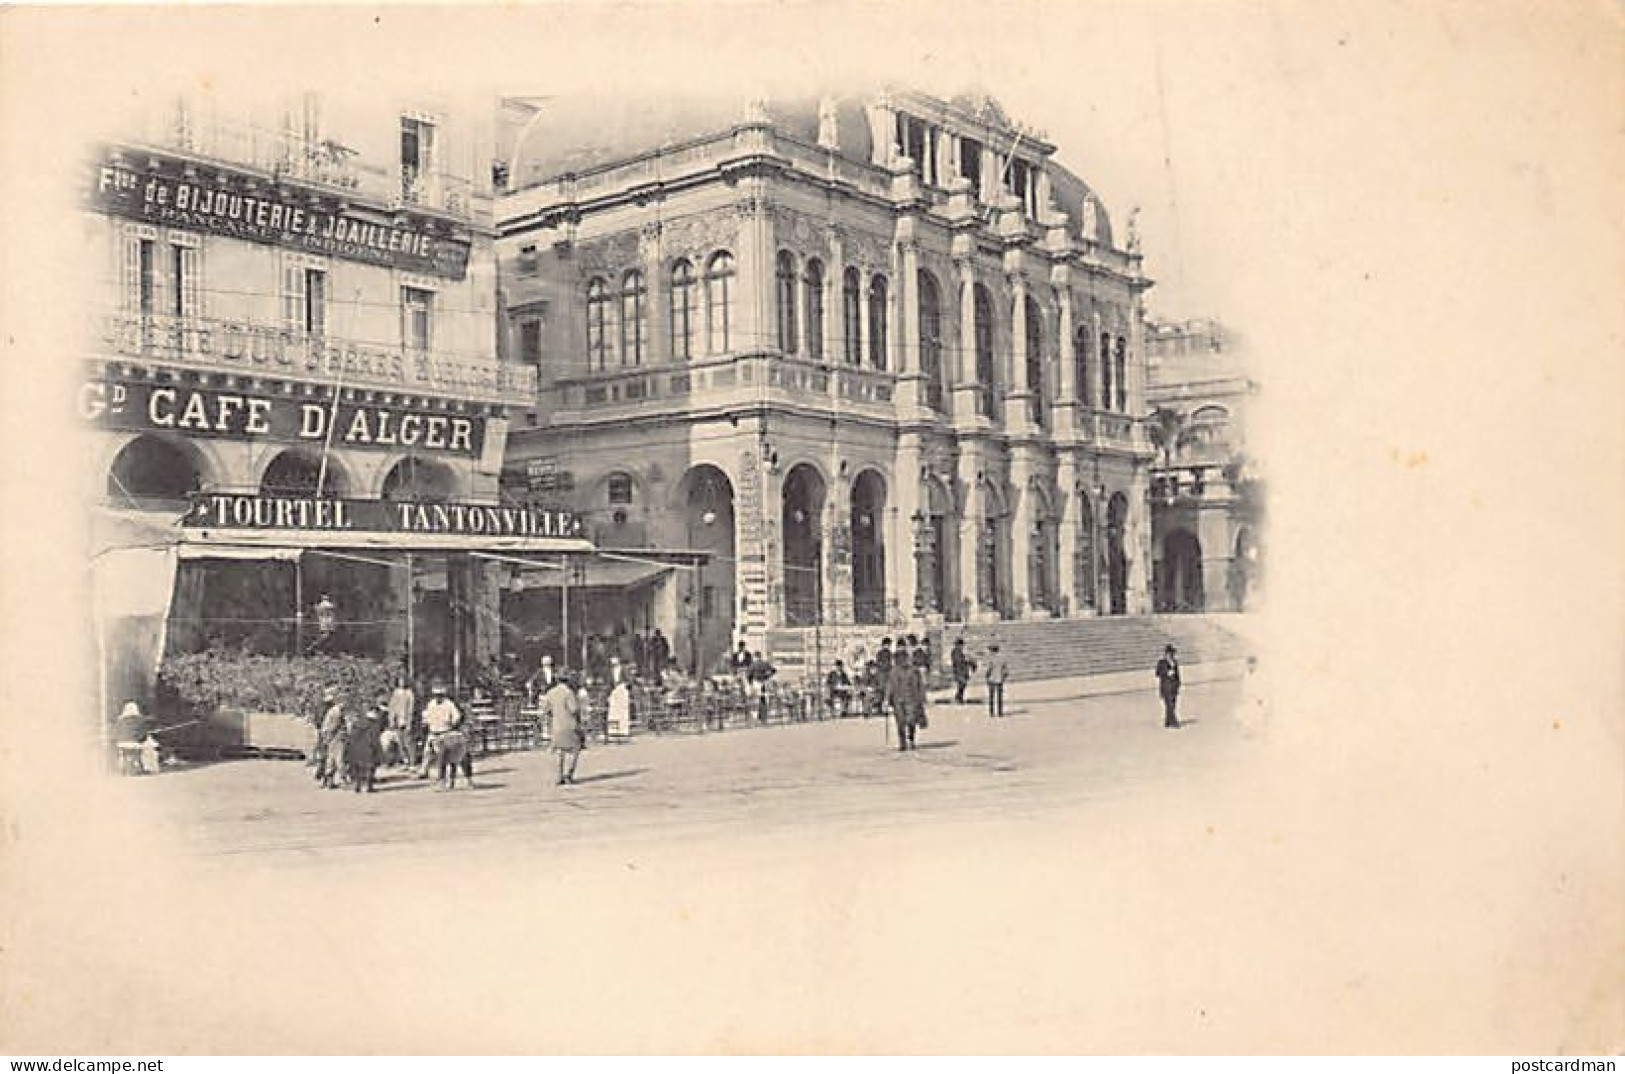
[(844, 774)]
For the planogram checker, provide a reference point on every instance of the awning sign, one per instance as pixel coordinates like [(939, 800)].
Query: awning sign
[(247, 511)]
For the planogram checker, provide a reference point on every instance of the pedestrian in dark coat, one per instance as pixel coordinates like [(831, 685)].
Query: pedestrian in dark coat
[(904, 693), (361, 755), (962, 665), (659, 652), (1168, 685), (883, 658)]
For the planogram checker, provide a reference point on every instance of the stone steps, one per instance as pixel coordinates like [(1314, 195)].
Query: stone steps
[(1038, 649)]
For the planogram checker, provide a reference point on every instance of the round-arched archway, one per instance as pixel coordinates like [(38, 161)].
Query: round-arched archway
[(297, 473), (802, 526), (706, 497), (151, 471), (1116, 554), (1181, 576), (419, 480), (868, 549)]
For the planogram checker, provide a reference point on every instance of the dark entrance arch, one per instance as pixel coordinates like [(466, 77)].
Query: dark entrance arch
[(707, 498), (295, 473), (868, 550), (1116, 557), (802, 527), (419, 481), (152, 472), (1181, 573)]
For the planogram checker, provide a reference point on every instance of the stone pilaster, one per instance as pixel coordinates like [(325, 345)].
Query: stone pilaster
[(657, 296), (752, 313), (906, 333), (838, 535), (971, 460), (1022, 470), (1017, 416), (966, 387), (905, 503), (1068, 481)]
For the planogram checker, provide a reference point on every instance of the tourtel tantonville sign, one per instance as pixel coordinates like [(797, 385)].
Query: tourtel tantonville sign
[(199, 411), (173, 192), (248, 511)]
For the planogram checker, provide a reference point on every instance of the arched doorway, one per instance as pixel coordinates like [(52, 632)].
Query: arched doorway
[(1244, 570), (868, 550), (941, 522), (295, 473), (802, 527), (1116, 556), (1084, 560), (150, 472), (418, 480), (1041, 553), (1181, 573), (707, 499)]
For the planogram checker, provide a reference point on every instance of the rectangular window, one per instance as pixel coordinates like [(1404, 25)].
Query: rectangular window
[(970, 164), (527, 259), (315, 312), (417, 308), (146, 279), (417, 153), (530, 342)]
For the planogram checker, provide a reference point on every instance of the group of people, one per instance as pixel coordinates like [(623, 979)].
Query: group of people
[(353, 743)]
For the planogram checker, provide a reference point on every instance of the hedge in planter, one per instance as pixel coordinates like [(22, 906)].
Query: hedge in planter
[(249, 682)]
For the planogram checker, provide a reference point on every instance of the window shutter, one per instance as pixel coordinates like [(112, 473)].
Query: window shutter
[(189, 285), (130, 273), (293, 296), (316, 286)]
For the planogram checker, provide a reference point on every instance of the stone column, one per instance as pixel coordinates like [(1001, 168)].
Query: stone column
[(834, 309), (1137, 542), (751, 589), (906, 334), (903, 497), (966, 387), (837, 595), (971, 456), (752, 313), (1067, 480), (1022, 470), (1065, 407), (863, 319), (657, 295), (1017, 417)]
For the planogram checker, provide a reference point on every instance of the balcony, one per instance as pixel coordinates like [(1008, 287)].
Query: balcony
[(326, 164), (244, 349), (727, 383)]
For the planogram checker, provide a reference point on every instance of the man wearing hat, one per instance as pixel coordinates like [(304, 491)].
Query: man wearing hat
[(998, 670), (1168, 685), (441, 717), (330, 740), (562, 709)]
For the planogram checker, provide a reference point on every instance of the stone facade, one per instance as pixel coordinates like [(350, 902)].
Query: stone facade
[(892, 333)]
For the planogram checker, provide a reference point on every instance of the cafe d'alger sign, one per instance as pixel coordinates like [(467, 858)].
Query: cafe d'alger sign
[(177, 193)]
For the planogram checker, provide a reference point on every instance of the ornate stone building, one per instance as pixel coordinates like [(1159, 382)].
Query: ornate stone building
[(1205, 492), (880, 357), (297, 299)]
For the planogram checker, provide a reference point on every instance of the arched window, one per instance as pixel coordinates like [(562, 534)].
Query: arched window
[(683, 313), (851, 302), (1080, 367), (1122, 374), (597, 324), (1106, 371), (632, 332), (719, 274), (931, 339), (1035, 362), (984, 352), (814, 280), (619, 488), (787, 302), (877, 322)]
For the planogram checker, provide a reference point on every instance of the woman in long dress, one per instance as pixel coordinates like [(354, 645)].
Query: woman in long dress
[(618, 722)]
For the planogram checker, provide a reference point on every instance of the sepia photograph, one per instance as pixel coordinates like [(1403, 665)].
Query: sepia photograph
[(889, 529)]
